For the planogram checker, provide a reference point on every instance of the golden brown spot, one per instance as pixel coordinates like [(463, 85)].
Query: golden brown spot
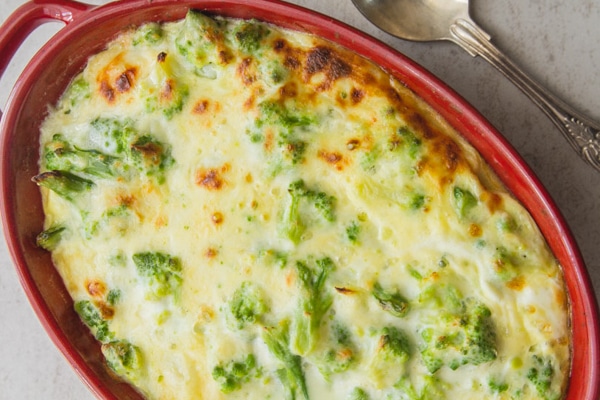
[(125, 200), (345, 291), (211, 252), (249, 103), (288, 91), (161, 57), (356, 95), (224, 57), (492, 200), (107, 91), (160, 221), (217, 218), (450, 153), (531, 309), (333, 158), (244, 71), (248, 178), (322, 59), (475, 230), (166, 93), (279, 45), (126, 80), (201, 106), (269, 140), (209, 179), (106, 311), (517, 283), (151, 151), (96, 288), (291, 62), (353, 144)]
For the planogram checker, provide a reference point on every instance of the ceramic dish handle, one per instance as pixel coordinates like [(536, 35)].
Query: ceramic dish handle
[(28, 17)]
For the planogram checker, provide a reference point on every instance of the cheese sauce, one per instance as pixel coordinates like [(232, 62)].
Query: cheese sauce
[(241, 211)]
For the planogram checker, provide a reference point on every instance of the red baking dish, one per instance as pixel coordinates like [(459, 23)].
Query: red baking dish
[(89, 28)]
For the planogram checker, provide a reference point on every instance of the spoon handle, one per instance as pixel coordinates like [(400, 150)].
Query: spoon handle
[(580, 131)]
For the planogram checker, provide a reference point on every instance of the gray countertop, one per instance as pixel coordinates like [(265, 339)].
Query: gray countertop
[(556, 41)]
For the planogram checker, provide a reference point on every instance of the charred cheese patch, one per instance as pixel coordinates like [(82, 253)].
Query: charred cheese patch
[(241, 211)]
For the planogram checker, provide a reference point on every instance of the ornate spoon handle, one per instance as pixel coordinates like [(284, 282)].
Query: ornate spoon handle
[(581, 132)]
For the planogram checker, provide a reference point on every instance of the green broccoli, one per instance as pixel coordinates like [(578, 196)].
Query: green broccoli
[(465, 337), (201, 43), (293, 225), (164, 272), (288, 123), (314, 304), (60, 155), (248, 35), (166, 92), (353, 231), (150, 33), (406, 139), (464, 201), (540, 375), (63, 183), (394, 303), (247, 304), (432, 388), (78, 91), (393, 352), (358, 394), (140, 151), (233, 374), (340, 355), (49, 238), (124, 358), (92, 317), (291, 374)]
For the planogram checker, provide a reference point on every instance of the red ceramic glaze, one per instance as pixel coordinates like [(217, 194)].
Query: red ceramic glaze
[(90, 28)]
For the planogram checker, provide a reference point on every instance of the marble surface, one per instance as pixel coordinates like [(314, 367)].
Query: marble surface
[(555, 40)]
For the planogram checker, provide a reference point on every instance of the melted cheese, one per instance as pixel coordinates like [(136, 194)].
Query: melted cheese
[(223, 129)]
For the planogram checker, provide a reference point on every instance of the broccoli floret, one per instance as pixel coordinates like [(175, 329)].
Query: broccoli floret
[(141, 151), (464, 201), (358, 394), (466, 337), (163, 272), (432, 388), (394, 303), (78, 91), (288, 123), (63, 183), (49, 238), (201, 42), (341, 354), (497, 386), (404, 138), (291, 374), (165, 92), (353, 231), (247, 304), (150, 33), (151, 156), (293, 225), (92, 317), (113, 296), (232, 375), (124, 358), (273, 257), (315, 302), (540, 375), (393, 352), (248, 35), (60, 155)]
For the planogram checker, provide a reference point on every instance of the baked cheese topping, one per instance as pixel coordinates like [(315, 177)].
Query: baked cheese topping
[(245, 212)]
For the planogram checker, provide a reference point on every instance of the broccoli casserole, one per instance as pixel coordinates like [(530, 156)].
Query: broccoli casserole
[(241, 211)]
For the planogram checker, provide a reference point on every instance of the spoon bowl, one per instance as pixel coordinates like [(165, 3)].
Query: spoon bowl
[(432, 20)]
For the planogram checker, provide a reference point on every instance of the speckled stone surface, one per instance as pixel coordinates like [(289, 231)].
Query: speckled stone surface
[(555, 40)]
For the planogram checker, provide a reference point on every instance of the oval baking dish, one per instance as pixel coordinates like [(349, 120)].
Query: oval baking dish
[(90, 28)]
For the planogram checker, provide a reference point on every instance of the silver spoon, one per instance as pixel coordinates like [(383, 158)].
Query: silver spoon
[(429, 20)]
